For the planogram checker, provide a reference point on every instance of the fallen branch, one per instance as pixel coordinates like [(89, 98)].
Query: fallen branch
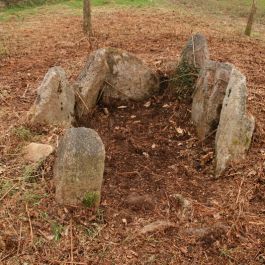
[(206, 137)]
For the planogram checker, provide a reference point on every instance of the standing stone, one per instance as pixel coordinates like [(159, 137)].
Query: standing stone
[(193, 58), (236, 127), (90, 82), (196, 52), (208, 97), (55, 99), (79, 168), (113, 74)]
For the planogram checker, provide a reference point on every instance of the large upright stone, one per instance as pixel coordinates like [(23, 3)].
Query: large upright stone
[(236, 127), (55, 99), (196, 52), (79, 168), (113, 74), (128, 78), (90, 82), (193, 58), (208, 97)]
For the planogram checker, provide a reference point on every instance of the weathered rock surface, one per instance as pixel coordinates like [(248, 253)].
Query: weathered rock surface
[(91, 82), (159, 225), (128, 78), (207, 235), (35, 152), (193, 58), (113, 74), (196, 52), (139, 202), (236, 127), (209, 95), (55, 99), (79, 168)]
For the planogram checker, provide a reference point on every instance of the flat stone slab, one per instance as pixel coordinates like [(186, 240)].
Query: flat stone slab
[(35, 152)]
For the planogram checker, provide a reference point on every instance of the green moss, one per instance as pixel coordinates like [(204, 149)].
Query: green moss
[(247, 141), (91, 199)]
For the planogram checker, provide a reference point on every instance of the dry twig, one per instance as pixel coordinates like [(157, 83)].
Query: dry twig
[(8, 192), (71, 241), (30, 225)]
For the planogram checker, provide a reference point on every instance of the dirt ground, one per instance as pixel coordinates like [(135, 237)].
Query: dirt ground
[(150, 151)]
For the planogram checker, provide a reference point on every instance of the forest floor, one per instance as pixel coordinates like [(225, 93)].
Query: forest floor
[(151, 149)]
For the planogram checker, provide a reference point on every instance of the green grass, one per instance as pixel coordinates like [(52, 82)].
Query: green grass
[(91, 199), (23, 133), (5, 185), (57, 230), (33, 198), (32, 6), (236, 8), (30, 172), (19, 12)]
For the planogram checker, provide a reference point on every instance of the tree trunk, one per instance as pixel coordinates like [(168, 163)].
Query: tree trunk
[(251, 18), (87, 27)]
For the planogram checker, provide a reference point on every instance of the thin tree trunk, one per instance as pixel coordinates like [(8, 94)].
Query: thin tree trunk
[(87, 26), (251, 18)]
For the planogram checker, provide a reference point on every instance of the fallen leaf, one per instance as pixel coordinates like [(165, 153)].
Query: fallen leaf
[(122, 107), (179, 130), (147, 104)]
